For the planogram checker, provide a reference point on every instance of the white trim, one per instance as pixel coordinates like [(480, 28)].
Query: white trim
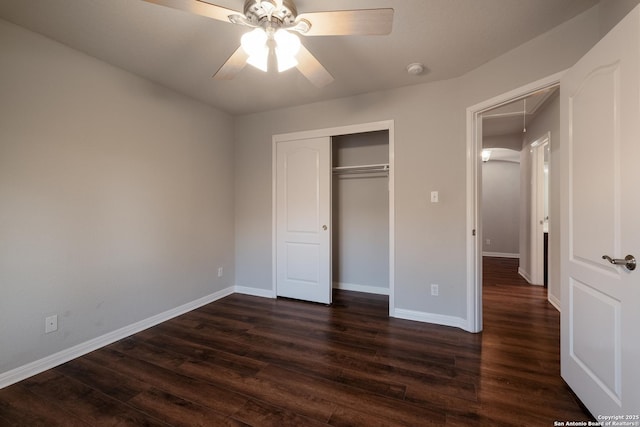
[(361, 288), (525, 275), (437, 319), (474, 236), (392, 217), (256, 292), (274, 212), (536, 256), (18, 374), (501, 255), (554, 301), (335, 131), (474, 146)]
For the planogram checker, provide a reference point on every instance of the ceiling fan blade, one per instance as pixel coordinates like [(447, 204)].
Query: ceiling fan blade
[(362, 22), (312, 69), (199, 7), (233, 66)]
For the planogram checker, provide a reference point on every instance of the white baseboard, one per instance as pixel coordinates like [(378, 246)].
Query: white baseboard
[(438, 319), (500, 255), (256, 292), (361, 288), (525, 275), (23, 372), (554, 301)]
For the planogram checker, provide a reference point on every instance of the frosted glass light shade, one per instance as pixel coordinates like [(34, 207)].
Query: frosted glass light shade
[(260, 59), (254, 43), (285, 62), (288, 43), (287, 47)]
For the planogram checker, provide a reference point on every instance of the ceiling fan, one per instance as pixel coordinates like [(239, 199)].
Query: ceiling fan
[(275, 24)]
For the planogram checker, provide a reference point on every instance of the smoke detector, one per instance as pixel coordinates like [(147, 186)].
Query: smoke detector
[(415, 69)]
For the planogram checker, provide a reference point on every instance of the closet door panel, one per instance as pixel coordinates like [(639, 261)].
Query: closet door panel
[(303, 214)]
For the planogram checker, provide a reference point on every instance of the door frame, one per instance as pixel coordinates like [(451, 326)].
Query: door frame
[(387, 125), (537, 208), (474, 191)]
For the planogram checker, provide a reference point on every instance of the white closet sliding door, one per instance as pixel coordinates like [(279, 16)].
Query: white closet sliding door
[(303, 219)]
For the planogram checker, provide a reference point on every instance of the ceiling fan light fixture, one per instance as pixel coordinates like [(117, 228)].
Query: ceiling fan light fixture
[(265, 17)]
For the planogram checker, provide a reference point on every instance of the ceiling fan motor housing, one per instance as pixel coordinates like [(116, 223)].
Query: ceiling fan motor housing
[(259, 11)]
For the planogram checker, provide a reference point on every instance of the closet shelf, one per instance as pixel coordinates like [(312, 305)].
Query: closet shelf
[(377, 168)]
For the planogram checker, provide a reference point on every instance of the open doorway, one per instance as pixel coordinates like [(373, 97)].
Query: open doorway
[(514, 199), (508, 123)]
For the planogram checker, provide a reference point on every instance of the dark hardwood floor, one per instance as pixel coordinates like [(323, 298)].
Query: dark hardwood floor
[(252, 361)]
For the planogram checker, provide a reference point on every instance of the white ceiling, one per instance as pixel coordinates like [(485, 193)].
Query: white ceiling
[(182, 51)]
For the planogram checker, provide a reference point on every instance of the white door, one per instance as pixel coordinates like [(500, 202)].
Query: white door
[(303, 216), (600, 123)]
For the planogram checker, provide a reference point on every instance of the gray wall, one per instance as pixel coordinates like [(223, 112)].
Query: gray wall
[(430, 154), (360, 220), (501, 207), (116, 198)]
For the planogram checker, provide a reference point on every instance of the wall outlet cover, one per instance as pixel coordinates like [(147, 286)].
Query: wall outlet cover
[(51, 324)]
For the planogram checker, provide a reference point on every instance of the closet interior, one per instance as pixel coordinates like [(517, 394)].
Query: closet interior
[(360, 215)]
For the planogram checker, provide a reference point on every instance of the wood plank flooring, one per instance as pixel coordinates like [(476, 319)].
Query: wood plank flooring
[(247, 361)]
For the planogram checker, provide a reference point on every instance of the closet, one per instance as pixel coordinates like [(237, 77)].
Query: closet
[(333, 212), (360, 212)]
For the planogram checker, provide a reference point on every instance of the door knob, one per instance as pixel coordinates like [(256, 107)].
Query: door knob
[(324, 227), (629, 261)]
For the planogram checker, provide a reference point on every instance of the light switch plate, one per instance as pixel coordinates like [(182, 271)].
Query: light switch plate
[(435, 290)]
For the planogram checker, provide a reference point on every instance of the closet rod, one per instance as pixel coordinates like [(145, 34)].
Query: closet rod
[(382, 167)]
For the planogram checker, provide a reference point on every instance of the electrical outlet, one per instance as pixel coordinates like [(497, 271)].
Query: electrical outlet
[(220, 272), (488, 241), (435, 290), (51, 324), (434, 197)]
